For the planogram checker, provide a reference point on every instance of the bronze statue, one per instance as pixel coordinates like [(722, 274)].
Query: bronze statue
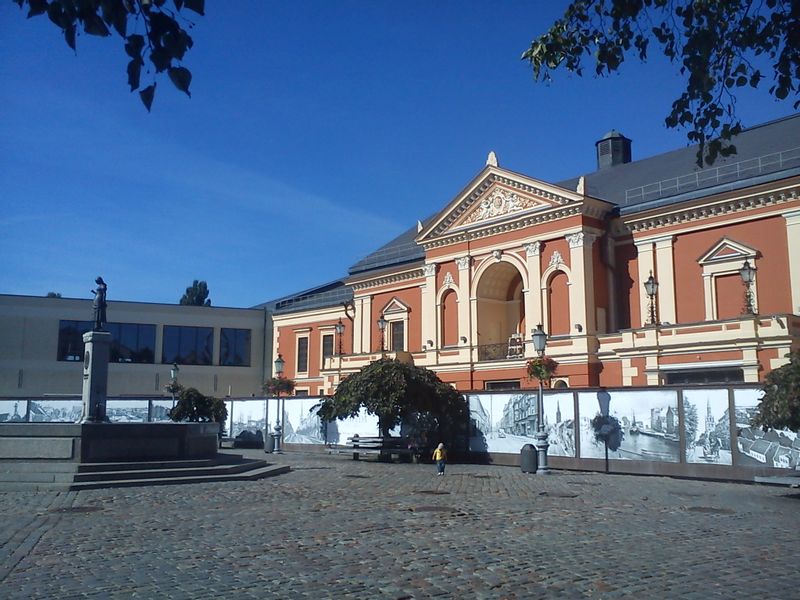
[(99, 304)]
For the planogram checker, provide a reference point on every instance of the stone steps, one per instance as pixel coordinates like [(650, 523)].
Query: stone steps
[(18, 476)]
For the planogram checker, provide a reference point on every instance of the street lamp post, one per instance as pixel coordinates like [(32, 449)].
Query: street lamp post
[(539, 343), (651, 287), (279, 364), (173, 373), (382, 328), (339, 327), (748, 275)]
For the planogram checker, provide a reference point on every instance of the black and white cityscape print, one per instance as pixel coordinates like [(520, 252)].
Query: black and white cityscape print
[(755, 447), (649, 421), (706, 425)]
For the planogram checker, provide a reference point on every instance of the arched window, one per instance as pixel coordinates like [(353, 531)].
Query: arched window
[(558, 304), (449, 319)]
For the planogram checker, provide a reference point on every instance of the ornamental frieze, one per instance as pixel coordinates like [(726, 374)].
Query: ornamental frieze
[(498, 203)]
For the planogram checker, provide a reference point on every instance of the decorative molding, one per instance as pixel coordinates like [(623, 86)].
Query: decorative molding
[(556, 259), (448, 279), (727, 250), (699, 213), (501, 202), (482, 187), (429, 270), (533, 248), (575, 240), (463, 262), (497, 254), (387, 279), (529, 221)]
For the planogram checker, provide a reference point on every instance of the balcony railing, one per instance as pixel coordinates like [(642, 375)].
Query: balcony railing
[(502, 351)]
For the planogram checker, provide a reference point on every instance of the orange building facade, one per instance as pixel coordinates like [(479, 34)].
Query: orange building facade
[(461, 292)]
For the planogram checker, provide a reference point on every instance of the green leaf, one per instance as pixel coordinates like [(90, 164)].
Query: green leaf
[(134, 71), (181, 77), (147, 96), (69, 35), (93, 25), (35, 7), (197, 6), (134, 45)]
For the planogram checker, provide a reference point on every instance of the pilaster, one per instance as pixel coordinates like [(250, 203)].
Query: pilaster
[(793, 237), (429, 308), (581, 291), (646, 266), (666, 279), (533, 295), (464, 283)]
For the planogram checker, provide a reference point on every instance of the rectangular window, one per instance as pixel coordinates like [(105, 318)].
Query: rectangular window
[(187, 345), (397, 336), (512, 384), (302, 355), (70, 339), (327, 346), (234, 347), (130, 342)]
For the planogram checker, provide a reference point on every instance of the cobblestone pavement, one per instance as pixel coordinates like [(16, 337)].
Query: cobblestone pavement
[(337, 528)]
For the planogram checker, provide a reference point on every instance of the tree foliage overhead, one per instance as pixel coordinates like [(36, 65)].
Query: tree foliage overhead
[(719, 45), (152, 34), (395, 391), (196, 294), (780, 406)]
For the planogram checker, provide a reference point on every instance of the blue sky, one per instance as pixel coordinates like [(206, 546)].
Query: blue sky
[(316, 132)]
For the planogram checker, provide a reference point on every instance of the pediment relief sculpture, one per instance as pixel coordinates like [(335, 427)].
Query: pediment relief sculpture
[(500, 202)]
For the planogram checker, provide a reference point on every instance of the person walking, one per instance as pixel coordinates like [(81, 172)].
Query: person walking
[(440, 456)]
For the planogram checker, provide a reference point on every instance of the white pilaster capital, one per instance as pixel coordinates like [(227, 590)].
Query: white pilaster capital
[(429, 270), (533, 248), (792, 217), (575, 240), (463, 262)]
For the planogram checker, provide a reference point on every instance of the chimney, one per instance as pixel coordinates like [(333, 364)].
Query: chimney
[(613, 149)]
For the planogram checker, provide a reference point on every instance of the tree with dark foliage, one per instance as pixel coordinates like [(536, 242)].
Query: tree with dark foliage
[(153, 31)]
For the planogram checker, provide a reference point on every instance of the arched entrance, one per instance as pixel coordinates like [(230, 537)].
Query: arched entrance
[(501, 311)]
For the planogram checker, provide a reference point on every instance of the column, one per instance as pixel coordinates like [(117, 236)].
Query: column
[(665, 268), (97, 346), (429, 316), (581, 291), (361, 324), (793, 237), (646, 266)]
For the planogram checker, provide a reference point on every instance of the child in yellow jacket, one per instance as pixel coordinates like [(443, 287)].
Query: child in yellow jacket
[(440, 456)]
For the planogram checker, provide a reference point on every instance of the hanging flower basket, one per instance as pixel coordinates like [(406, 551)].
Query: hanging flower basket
[(542, 368)]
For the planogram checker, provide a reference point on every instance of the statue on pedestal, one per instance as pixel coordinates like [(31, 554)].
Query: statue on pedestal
[(99, 304)]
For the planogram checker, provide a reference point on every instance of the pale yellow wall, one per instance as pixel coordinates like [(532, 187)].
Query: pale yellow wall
[(29, 344)]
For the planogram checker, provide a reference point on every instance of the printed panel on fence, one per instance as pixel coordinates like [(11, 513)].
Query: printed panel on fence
[(707, 427), (503, 423), (758, 448), (13, 411), (127, 411), (55, 411), (649, 422)]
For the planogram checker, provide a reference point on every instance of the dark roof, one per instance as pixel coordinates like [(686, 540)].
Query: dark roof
[(402, 249), (330, 294), (764, 153)]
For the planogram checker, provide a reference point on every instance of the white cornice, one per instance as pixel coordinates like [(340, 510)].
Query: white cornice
[(387, 278), (711, 209)]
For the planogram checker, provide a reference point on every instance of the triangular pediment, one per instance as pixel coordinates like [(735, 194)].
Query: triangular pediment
[(496, 196), (394, 306), (727, 250)]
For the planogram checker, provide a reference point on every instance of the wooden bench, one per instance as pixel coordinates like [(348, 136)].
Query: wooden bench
[(384, 447)]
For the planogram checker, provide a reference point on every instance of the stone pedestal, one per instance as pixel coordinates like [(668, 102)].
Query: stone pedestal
[(97, 348)]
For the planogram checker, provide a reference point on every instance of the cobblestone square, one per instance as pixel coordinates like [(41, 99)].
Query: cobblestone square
[(338, 528)]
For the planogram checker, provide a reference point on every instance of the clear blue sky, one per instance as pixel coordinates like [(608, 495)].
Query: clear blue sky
[(316, 132)]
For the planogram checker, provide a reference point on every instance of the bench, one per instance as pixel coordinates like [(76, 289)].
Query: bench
[(384, 447)]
